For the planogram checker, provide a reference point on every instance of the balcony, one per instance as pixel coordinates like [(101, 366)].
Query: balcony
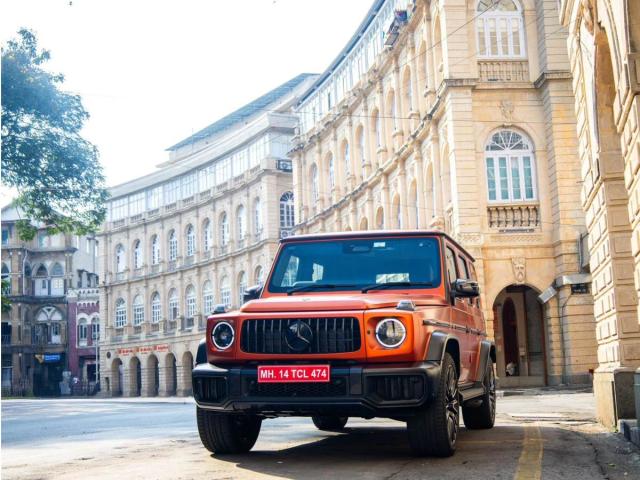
[(503, 70), (514, 216), (172, 265), (6, 339), (286, 232), (284, 165), (240, 244)]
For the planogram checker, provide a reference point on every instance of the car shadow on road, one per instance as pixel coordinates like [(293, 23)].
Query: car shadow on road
[(375, 452)]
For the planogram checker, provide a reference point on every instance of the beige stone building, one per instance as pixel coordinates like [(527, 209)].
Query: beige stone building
[(604, 46), (191, 235), (458, 115)]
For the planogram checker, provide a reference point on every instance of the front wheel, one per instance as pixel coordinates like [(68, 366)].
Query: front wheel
[(329, 423), (434, 430), (227, 433)]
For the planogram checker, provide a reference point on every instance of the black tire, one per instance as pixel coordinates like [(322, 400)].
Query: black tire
[(227, 433), (482, 416), (330, 423), (434, 430)]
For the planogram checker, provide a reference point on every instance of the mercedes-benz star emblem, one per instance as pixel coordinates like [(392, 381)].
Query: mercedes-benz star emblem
[(298, 336)]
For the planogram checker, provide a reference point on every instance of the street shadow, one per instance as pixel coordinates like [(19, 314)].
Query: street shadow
[(378, 452)]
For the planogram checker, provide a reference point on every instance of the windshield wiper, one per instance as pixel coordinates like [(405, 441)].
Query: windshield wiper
[(314, 286), (377, 286)]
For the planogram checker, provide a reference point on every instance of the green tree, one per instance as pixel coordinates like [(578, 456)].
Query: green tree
[(55, 171), (6, 303)]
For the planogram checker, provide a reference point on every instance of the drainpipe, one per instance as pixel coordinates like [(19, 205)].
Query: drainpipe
[(561, 312)]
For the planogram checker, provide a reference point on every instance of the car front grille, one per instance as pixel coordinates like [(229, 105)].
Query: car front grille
[(328, 335), (336, 388)]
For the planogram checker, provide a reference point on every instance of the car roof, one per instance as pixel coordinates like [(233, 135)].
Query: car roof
[(373, 234)]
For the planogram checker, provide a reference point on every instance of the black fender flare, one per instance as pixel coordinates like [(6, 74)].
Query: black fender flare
[(201, 353), (438, 346), (487, 354)]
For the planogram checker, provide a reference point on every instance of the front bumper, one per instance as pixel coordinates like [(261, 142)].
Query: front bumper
[(363, 391)]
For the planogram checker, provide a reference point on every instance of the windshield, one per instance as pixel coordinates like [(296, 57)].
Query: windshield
[(354, 264)]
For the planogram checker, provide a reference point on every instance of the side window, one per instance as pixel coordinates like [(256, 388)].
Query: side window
[(451, 265), (463, 268), (472, 271)]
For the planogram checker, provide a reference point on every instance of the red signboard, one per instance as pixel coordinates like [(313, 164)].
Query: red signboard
[(294, 373)]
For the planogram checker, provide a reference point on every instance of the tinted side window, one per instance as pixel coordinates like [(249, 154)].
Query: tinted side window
[(451, 265), (463, 268)]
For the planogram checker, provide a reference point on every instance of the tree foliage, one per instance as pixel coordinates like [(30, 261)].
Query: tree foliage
[(4, 300), (55, 171)]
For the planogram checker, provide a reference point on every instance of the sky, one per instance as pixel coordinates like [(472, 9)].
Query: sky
[(151, 73)]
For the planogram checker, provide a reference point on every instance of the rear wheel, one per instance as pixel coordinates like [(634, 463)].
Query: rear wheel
[(227, 433), (434, 430), (483, 415), (329, 423)]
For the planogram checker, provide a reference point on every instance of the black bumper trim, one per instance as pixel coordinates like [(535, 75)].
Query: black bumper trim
[(361, 390)]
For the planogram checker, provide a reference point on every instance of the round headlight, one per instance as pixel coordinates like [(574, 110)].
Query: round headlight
[(222, 335), (390, 332)]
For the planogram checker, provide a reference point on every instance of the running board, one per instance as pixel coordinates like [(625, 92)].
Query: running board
[(471, 392)]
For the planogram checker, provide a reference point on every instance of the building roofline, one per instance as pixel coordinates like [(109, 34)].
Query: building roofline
[(244, 112), (369, 17)]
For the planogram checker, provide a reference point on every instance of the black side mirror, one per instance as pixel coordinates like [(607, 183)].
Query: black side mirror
[(465, 288), (252, 293)]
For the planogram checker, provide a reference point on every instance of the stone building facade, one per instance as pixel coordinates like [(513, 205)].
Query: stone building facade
[(604, 48), (84, 335), (193, 234), (458, 115), (35, 333)]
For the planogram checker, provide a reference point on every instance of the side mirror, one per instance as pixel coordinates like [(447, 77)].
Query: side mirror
[(252, 293), (220, 308), (465, 288)]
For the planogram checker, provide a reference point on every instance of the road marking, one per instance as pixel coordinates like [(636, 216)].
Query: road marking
[(530, 462)]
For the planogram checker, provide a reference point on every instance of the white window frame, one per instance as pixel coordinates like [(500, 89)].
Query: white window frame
[(191, 241), (138, 311), (224, 229), (497, 17), (156, 308), (287, 210), (155, 250), (173, 246), (137, 254), (510, 155), (191, 302), (207, 298), (242, 222), (120, 313), (207, 237)]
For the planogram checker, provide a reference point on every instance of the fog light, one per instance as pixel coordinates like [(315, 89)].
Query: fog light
[(222, 335), (390, 332)]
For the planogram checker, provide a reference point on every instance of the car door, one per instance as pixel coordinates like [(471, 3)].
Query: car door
[(459, 314), (474, 315)]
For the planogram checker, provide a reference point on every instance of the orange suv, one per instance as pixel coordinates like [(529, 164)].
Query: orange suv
[(356, 324)]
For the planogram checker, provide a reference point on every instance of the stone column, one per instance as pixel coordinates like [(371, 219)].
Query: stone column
[(402, 191), (369, 151), (382, 116), (437, 221), (351, 176), (339, 176), (420, 187), (386, 202)]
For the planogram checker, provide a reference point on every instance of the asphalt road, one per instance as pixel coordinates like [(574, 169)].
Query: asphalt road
[(536, 436)]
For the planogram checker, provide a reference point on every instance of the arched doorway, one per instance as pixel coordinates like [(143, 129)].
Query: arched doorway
[(117, 378), (171, 376), (135, 377), (187, 366), (153, 376), (520, 337)]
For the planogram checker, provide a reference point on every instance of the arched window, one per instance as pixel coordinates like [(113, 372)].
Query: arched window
[(224, 229), (361, 148), (82, 332), (192, 305), (156, 308), (500, 29), (242, 287), (207, 235), (121, 313), (332, 172), (287, 219), (259, 275), (138, 310), (191, 241), (207, 298), (173, 246), (6, 280), (225, 291), (120, 259), (346, 154), (57, 280), (155, 250), (41, 281), (242, 222), (174, 304), (380, 218), (137, 254), (510, 167), (315, 188), (257, 217)]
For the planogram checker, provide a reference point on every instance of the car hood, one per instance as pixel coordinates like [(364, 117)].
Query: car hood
[(328, 302)]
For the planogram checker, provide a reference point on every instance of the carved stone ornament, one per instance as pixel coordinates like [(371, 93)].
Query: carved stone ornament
[(588, 17), (506, 109), (519, 269)]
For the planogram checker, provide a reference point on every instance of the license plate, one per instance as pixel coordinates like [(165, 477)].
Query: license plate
[(293, 373)]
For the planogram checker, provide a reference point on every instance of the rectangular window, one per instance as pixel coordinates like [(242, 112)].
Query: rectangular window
[(119, 209), (5, 236), (171, 191), (504, 178), (154, 196), (95, 331), (515, 179), (515, 37), (482, 44), (188, 185), (528, 178), (207, 301), (451, 265), (491, 178), (206, 178), (225, 295), (136, 203), (155, 312), (493, 38)]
